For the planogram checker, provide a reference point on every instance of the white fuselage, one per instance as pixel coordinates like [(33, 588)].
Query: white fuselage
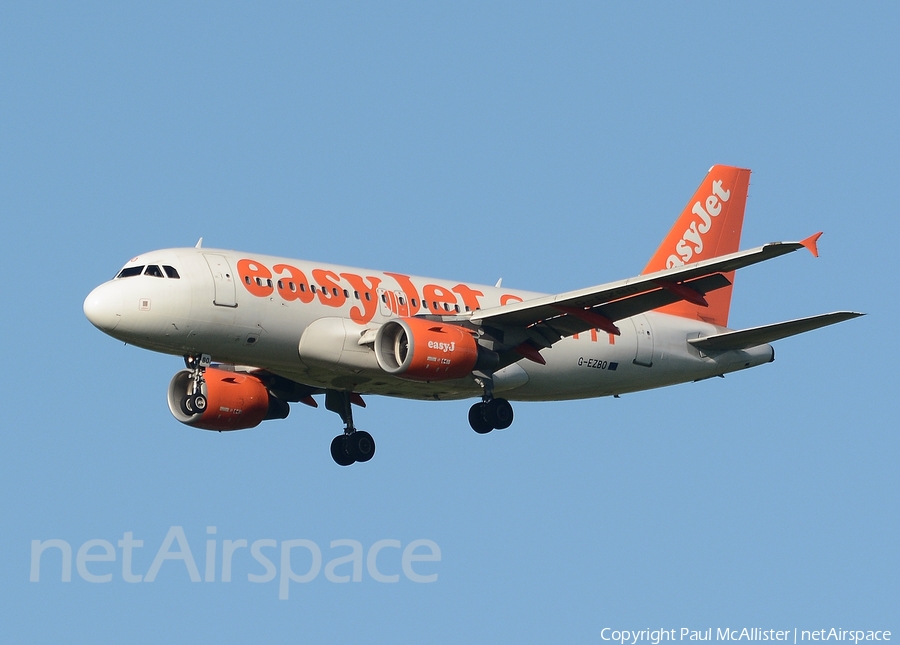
[(250, 309)]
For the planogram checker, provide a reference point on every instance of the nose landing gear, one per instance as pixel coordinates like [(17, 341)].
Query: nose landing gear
[(194, 402), (354, 445)]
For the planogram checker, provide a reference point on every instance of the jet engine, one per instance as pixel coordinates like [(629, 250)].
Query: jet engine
[(424, 350), (235, 401)]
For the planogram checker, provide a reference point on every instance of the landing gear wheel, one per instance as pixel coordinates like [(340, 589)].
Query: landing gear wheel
[(198, 403), (477, 419), (186, 402), (499, 413), (339, 451), (360, 446)]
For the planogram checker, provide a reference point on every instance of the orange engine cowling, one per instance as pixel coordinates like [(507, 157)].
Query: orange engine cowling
[(424, 350), (235, 401)]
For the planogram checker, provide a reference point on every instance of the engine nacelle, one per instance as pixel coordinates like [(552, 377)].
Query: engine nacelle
[(424, 350), (235, 401)]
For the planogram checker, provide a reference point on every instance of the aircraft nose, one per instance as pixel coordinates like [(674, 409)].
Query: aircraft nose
[(103, 306)]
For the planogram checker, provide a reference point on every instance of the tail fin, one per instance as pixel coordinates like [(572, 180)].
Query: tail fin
[(709, 226)]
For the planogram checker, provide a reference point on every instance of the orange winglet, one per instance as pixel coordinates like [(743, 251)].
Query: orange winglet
[(527, 350), (810, 243), (592, 318)]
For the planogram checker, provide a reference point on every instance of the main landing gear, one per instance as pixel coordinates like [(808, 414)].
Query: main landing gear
[(490, 414), (353, 445), (194, 402)]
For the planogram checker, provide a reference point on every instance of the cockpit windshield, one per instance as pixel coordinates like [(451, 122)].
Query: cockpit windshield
[(128, 272), (150, 269)]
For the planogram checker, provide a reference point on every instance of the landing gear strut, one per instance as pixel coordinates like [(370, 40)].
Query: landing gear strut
[(491, 413), (354, 445), (194, 402)]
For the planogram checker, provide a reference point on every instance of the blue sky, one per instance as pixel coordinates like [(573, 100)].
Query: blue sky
[(551, 146)]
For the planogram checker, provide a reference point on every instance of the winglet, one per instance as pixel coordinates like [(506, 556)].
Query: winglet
[(810, 243)]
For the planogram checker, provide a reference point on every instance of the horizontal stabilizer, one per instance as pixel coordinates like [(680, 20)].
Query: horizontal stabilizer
[(744, 338)]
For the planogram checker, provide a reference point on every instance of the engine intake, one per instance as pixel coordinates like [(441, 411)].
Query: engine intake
[(235, 401), (424, 350)]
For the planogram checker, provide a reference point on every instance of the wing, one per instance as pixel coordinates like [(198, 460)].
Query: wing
[(540, 322)]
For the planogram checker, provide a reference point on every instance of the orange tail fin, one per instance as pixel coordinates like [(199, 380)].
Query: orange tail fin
[(709, 226)]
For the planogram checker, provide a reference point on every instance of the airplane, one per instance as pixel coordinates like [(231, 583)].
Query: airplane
[(283, 331)]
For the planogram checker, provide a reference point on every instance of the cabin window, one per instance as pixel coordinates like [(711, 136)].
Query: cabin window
[(292, 286), (312, 288), (280, 284), (171, 272), (247, 279), (368, 296), (414, 303), (383, 298), (356, 294), (346, 293)]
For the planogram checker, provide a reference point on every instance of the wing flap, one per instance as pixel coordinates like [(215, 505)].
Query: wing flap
[(627, 307), (744, 338)]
